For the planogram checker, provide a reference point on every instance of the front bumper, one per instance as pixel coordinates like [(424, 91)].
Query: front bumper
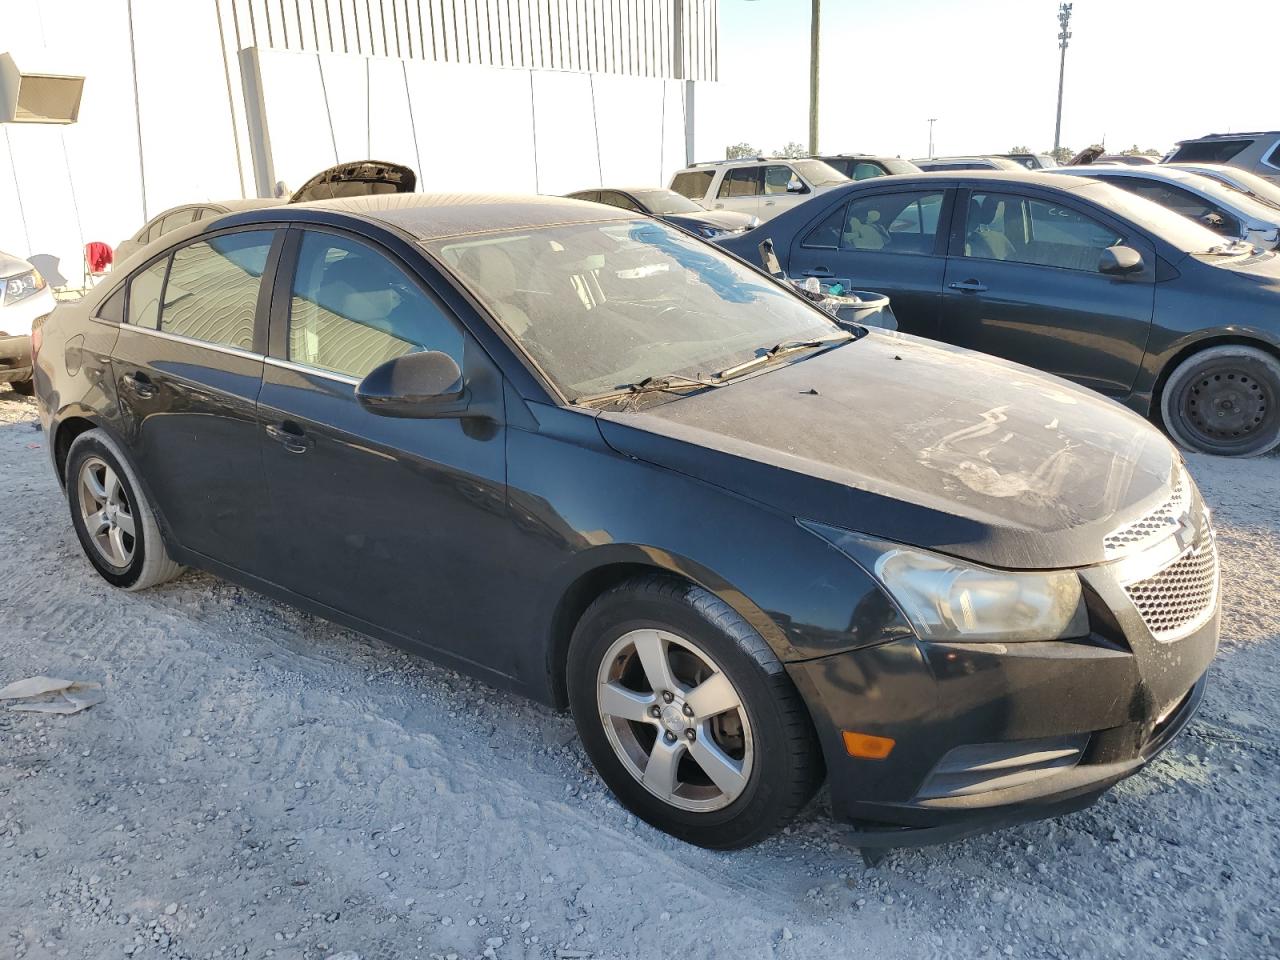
[(16, 321), (15, 359), (987, 734)]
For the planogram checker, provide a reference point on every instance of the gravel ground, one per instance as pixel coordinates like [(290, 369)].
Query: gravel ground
[(260, 783)]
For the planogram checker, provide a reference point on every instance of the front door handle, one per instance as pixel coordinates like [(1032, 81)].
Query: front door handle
[(770, 203), (139, 384), (290, 436), (817, 272), (969, 286)]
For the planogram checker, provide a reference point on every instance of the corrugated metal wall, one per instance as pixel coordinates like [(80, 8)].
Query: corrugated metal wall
[(632, 37)]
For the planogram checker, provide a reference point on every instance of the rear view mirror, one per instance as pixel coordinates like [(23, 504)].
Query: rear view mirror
[(1120, 261), (795, 185), (424, 385)]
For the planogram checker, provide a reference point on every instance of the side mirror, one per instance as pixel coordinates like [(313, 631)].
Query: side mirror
[(796, 185), (419, 385), (769, 258), (1120, 261)]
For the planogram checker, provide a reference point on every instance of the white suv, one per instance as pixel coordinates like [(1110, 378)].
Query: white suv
[(761, 188)]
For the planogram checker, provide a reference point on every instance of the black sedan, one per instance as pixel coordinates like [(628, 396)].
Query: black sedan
[(674, 208), (1080, 279), (595, 460)]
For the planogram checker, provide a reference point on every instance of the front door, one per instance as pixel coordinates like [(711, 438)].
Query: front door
[(188, 368), (400, 523), (781, 190), (740, 190), (891, 243), (1023, 284)]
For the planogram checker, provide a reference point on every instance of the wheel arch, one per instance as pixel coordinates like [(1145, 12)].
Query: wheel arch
[(1185, 351), (603, 568), (64, 435)]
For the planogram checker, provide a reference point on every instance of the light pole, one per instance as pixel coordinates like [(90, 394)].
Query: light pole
[(814, 30), (932, 121), (1064, 37)]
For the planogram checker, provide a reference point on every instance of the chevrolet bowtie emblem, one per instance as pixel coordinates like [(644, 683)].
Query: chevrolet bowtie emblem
[(1186, 532)]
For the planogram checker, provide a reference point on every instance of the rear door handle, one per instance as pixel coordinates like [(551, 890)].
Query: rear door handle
[(968, 286), (290, 436), (139, 384)]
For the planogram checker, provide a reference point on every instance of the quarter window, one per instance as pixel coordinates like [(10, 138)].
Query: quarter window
[(353, 309), (693, 183), (144, 295), (740, 182), (212, 291), (1025, 230), (179, 218)]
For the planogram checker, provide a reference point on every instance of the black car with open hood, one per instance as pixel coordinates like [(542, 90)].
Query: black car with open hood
[(588, 457)]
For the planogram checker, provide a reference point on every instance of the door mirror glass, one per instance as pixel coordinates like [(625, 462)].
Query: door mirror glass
[(795, 185), (1120, 260), (424, 385)]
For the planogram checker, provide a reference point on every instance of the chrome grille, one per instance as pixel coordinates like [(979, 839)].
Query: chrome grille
[(1157, 524), (1181, 597)]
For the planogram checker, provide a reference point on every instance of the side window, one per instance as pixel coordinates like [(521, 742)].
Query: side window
[(893, 223), (777, 176), (865, 171), (112, 308), (693, 183), (352, 309), (740, 182), (1182, 201), (144, 295), (1273, 158), (179, 218), (615, 199), (826, 235), (212, 293), (1025, 230), (151, 230)]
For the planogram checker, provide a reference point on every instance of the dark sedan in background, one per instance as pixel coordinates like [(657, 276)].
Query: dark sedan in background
[(1074, 277), (674, 208), (589, 457)]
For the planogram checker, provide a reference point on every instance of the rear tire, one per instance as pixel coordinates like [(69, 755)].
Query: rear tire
[(25, 388), (1224, 401), (731, 754), (115, 523)]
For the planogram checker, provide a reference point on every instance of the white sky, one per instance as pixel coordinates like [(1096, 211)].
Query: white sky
[(1149, 72)]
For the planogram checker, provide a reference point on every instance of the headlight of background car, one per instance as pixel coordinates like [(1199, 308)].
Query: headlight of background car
[(949, 599), (22, 286)]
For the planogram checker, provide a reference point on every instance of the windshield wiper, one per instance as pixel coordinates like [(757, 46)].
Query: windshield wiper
[(671, 383), (1229, 249), (780, 350)]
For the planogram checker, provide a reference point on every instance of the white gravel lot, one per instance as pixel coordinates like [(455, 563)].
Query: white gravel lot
[(259, 783)]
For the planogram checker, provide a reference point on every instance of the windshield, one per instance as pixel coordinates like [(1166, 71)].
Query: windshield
[(666, 202), (1227, 196), (599, 306), (1249, 183), (1183, 233), (818, 173)]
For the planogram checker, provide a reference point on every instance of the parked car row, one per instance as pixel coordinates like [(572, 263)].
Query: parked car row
[(748, 547)]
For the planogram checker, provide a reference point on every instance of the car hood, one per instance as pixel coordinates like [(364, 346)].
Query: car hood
[(11, 266), (922, 443), (724, 219), (362, 178)]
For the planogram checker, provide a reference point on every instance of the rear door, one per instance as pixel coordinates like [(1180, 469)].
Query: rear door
[(740, 190), (188, 368), (888, 241), (1023, 283), (401, 523)]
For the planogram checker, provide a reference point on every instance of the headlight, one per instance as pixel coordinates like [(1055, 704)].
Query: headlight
[(22, 286), (949, 599)]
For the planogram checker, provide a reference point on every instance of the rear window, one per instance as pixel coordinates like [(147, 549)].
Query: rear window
[(1208, 151), (692, 183)]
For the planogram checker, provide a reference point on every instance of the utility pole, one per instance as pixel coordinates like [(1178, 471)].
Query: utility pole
[(1064, 37), (932, 121), (814, 28)]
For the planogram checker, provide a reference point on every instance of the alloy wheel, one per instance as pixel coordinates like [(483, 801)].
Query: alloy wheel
[(106, 512), (675, 720)]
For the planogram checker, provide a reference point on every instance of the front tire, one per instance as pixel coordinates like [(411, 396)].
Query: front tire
[(687, 714), (1224, 401), (115, 523)]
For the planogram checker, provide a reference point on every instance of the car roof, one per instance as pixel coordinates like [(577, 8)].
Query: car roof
[(431, 216), (1231, 136)]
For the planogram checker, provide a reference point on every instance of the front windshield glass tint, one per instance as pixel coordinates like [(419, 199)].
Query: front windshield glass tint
[(818, 173), (599, 306), (666, 202), (1185, 234)]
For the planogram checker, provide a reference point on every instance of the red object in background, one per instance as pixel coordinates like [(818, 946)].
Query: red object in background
[(98, 256)]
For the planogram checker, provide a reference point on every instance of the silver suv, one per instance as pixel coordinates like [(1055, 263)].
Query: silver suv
[(762, 187), (1256, 152)]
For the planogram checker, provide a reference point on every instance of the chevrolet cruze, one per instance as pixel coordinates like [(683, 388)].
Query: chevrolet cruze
[(592, 459)]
